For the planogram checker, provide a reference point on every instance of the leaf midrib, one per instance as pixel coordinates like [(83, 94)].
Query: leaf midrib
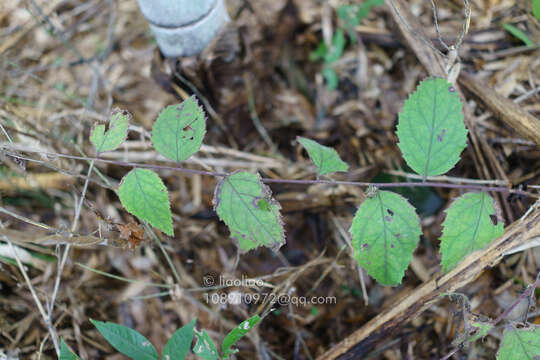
[(385, 241), (250, 211), (478, 219), (432, 131)]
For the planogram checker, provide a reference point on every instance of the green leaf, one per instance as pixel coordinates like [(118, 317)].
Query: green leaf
[(246, 206), (514, 31), (471, 223), (385, 232), (325, 158), (535, 4), (330, 77), (482, 330), (114, 137), (520, 344), (337, 47), (128, 341), (66, 353), (319, 53), (430, 130), (143, 194), (205, 348), (352, 15), (348, 14), (180, 342), (235, 334), (179, 130)]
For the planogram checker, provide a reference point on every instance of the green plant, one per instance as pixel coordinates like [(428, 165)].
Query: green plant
[(134, 345), (519, 341), (520, 344), (329, 55), (535, 4), (517, 33), (385, 230), (350, 16)]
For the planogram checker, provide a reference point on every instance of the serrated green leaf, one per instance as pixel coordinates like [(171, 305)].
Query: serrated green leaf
[(514, 31), (114, 137), (236, 334), (431, 131), (66, 353), (179, 130), (205, 348), (385, 232), (520, 344), (179, 344), (246, 206), (471, 223), (535, 4), (143, 194), (128, 341), (325, 158)]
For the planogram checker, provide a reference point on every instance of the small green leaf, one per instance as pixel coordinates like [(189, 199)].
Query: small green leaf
[(352, 15), (205, 348), (514, 31), (520, 344), (330, 77), (535, 4), (235, 334), (179, 130), (337, 47), (128, 341), (431, 131), (180, 342), (114, 137), (385, 232), (482, 330), (319, 53), (66, 353), (246, 206), (471, 223), (325, 158), (143, 194)]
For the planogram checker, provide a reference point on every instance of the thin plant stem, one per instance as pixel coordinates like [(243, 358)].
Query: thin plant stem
[(27, 220), (450, 179), (167, 257), (68, 246), (505, 190), (121, 278), (46, 319), (414, 33), (151, 296), (255, 118), (436, 22)]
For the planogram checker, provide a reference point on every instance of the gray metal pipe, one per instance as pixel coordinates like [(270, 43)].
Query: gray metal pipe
[(184, 27)]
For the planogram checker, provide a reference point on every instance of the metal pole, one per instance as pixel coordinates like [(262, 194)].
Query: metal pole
[(184, 27)]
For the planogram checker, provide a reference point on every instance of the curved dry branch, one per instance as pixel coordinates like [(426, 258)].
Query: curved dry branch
[(363, 340)]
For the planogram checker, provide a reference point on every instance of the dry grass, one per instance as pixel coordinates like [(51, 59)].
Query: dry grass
[(65, 64)]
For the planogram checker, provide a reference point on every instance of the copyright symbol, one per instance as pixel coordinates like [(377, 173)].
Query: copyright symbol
[(283, 299), (208, 280)]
